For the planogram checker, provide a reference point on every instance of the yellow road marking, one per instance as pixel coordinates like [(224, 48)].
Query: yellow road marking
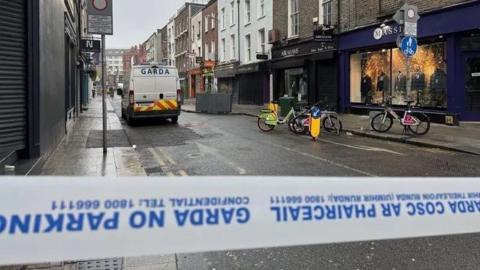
[(166, 156), (157, 157)]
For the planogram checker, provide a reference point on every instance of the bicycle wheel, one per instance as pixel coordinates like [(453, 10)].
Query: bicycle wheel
[(263, 126), (423, 124), (332, 124), (296, 125), (382, 122)]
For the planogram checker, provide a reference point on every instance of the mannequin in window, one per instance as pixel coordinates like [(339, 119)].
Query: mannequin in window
[(438, 83), (419, 84), (401, 84), (366, 89), (383, 83)]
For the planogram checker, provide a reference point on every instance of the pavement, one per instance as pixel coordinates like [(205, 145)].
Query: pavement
[(463, 138), (81, 154)]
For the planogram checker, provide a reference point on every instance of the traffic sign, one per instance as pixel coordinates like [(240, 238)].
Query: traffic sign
[(100, 17), (409, 46), (90, 45), (408, 16)]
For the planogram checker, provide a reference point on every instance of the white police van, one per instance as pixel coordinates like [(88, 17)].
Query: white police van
[(152, 92)]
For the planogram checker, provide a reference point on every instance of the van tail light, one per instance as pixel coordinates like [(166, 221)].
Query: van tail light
[(131, 97), (179, 96)]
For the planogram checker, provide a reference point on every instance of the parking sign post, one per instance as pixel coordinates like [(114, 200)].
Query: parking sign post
[(100, 22)]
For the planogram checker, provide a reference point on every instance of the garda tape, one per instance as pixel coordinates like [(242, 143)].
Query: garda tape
[(67, 219)]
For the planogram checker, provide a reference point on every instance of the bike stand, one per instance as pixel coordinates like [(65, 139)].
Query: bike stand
[(406, 132)]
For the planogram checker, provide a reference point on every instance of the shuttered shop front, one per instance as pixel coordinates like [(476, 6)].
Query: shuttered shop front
[(13, 77)]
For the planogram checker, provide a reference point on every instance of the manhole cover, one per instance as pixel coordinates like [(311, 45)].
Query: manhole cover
[(115, 138), (107, 264)]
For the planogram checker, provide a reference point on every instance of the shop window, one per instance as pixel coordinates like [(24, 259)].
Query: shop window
[(370, 77), (296, 84), (379, 74)]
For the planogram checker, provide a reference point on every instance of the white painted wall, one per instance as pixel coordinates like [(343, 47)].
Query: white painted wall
[(226, 29), (257, 22), (196, 37)]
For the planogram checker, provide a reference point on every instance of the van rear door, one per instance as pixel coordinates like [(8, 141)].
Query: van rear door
[(154, 83), (167, 85)]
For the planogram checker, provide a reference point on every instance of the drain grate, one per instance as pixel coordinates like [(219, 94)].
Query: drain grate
[(154, 170), (107, 264)]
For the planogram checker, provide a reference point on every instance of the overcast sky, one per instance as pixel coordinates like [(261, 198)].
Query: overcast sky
[(136, 20)]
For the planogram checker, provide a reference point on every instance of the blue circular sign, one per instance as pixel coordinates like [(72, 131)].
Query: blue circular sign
[(409, 46)]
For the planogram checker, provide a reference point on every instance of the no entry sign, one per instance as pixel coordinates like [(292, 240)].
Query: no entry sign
[(100, 17)]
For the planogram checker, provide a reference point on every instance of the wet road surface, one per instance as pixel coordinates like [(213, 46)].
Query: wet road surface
[(233, 145)]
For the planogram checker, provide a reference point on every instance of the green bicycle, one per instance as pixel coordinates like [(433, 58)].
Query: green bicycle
[(268, 119)]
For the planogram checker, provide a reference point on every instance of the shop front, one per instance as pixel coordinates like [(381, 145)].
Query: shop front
[(208, 77), (254, 83), (195, 82), (306, 71), (444, 78), (225, 76)]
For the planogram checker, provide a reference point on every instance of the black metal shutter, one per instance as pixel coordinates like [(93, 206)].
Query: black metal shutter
[(13, 75)]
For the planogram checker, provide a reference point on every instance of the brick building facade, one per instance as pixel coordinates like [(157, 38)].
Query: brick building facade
[(183, 37), (210, 44), (359, 13)]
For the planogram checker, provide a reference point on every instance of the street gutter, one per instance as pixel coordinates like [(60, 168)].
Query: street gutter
[(411, 140)]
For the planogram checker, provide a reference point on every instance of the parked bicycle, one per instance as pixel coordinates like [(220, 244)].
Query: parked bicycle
[(268, 119), (416, 122), (330, 121)]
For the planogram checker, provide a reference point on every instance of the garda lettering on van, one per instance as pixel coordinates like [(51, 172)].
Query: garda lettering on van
[(155, 71)]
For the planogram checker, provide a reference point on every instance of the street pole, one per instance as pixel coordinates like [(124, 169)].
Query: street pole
[(409, 78), (104, 101)]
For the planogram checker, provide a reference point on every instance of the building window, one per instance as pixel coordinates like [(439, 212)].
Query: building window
[(234, 52), (261, 10), (248, 13), (224, 45), (199, 34), (293, 18), (248, 47), (223, 18), (261, 39), (213, 50), (296, 84), (232, 14), (206, 24), (213, 21), (376, 75), (193, 33), (326, 12)]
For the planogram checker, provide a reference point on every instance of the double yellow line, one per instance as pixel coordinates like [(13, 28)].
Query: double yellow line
[(162, 158)]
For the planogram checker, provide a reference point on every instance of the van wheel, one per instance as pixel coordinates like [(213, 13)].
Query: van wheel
[(174, 120), (129, 118)]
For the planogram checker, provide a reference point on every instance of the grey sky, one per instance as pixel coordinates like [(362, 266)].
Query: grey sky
[(136, 20)]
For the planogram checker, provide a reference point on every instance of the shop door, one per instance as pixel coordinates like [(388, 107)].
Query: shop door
[(13, 75), (472, 87)]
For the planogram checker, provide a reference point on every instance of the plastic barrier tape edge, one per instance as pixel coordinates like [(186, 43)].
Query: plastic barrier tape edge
[(52, 219)]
